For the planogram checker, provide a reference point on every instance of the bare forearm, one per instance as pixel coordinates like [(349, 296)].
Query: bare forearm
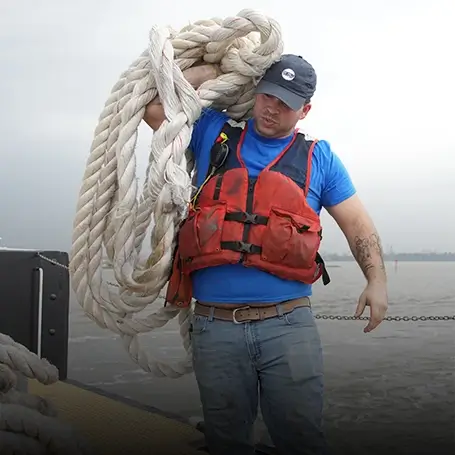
[(365, 245), (196, 76), (362, 236)]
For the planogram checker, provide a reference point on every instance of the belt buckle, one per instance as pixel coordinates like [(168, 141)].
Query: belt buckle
[(247, 307)]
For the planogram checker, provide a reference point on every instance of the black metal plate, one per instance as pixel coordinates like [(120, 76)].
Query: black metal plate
[(22, 316)]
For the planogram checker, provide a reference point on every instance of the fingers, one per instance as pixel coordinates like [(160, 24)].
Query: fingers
[(372, 324), (378, 309), (360, 306), (376, 317)]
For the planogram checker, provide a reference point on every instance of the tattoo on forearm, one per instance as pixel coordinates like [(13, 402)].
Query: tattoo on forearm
[(365, 249), (377, 246)]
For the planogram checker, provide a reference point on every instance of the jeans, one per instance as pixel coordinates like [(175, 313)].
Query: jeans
[(276, 363)]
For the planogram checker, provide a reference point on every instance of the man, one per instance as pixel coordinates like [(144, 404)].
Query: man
[(253, 334)]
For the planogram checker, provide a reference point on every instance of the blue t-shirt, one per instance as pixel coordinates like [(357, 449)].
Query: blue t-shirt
[(330, 184)]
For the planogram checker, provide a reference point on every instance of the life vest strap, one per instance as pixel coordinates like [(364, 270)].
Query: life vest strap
[(325, 274), (247, 218), (241, 247)]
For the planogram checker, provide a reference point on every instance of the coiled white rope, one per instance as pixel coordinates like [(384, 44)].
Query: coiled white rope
[(110, 215), (28, 423)]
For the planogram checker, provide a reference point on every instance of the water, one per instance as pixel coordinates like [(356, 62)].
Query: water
[(390, 389)]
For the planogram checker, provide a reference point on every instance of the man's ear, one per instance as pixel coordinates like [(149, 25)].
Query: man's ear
[(305, 111)]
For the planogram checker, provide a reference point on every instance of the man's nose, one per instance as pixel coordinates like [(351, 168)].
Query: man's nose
[(273, 103)]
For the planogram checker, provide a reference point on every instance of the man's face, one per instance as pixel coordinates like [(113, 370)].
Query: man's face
[(275, 119)]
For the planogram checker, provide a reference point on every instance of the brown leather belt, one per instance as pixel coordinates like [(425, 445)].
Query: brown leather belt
[(248, 313)]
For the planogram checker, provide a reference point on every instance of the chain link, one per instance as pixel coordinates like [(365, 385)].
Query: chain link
[(323, 316)]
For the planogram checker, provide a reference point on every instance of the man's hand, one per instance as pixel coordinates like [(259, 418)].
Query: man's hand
[(374, 296), (196, 76)]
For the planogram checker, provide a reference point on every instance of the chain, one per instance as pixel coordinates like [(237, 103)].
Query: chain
[(387, 318), (53, 261), (323, 316)]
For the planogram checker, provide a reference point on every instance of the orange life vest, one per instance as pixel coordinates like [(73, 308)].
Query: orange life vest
[(262, 222)]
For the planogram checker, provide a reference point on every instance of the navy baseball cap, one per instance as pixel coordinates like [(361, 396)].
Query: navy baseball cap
[(291, 79)]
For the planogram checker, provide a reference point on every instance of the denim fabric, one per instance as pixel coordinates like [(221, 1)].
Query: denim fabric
[(276, 363)]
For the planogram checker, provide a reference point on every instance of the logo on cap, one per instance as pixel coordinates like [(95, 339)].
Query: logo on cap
[(288, 74)]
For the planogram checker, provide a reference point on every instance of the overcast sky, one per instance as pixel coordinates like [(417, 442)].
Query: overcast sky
[(385, 101)]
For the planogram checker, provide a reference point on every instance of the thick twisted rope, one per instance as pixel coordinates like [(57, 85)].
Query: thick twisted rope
[(28, 423), (111, 216)]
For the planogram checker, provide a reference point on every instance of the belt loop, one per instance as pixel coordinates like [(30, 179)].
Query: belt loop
[(211, 313), (279, 310)]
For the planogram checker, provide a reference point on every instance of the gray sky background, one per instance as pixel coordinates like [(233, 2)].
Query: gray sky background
[(385, 101)]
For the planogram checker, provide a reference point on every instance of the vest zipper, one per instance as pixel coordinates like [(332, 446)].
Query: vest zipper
[(249, 209)]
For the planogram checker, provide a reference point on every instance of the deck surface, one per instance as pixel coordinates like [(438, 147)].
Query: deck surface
[(112, 425)]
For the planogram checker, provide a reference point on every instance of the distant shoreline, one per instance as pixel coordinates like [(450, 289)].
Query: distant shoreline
[(403, 257)]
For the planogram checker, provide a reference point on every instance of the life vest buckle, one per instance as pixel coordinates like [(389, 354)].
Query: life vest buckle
[(243, 247), (250, 218)]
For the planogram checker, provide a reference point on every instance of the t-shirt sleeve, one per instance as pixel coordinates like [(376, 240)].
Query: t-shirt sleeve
[(337, 185), (206, 129)]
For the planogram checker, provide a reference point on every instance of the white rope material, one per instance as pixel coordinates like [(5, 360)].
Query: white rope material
[(28, 423), (111, 215)]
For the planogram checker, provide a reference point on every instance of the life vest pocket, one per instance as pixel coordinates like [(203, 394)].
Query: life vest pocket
[(290, 239), (201, 232)]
